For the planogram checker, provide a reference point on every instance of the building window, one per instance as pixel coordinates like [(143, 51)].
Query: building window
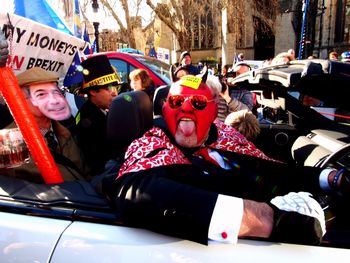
[(342, 23), (202, 31)]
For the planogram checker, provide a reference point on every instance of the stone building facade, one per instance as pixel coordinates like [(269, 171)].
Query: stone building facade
[(327, 28), (332, 27)]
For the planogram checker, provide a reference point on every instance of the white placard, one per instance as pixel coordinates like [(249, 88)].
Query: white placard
[(163, 54), (37, 45)]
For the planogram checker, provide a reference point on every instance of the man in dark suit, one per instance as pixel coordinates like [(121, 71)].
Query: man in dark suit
[(201, 180), (100, 83)]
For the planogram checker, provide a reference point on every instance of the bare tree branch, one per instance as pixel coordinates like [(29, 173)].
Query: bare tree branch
[(187, 19), (149, 26), (115, 16)]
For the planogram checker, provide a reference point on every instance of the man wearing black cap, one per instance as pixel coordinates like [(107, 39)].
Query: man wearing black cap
[(100, 86), (185, 59)]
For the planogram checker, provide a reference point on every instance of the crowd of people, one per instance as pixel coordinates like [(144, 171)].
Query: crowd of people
[(195, 177)]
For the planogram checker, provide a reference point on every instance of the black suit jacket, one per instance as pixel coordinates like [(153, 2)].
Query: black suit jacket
[(92, 137), (178, 200)]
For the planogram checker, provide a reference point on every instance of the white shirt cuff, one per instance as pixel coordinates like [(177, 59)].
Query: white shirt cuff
[(226, 219)]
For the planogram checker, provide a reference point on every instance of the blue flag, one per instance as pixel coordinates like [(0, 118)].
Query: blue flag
[(77, 26), (88, 49), (41, 12), (73, 76), (152, 53), (86, 35), (93, 46)]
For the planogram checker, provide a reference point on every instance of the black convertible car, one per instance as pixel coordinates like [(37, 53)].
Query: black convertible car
[(304, 117), (302, 107)]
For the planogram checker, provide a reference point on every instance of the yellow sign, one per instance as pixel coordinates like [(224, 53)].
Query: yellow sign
[(190, 81), (104, 80)]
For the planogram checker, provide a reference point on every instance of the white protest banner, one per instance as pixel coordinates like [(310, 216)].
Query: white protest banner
[(32, 44)]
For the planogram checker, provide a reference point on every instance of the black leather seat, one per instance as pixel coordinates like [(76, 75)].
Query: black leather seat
[(159, 98), (130, 116)]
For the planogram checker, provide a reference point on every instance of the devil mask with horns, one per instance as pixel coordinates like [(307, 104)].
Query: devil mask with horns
[(189, 110)]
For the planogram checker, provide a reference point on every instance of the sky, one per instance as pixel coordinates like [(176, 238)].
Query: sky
[(106, 22)]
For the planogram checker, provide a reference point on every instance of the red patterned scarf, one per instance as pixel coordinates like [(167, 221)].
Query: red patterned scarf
[(139, 157)]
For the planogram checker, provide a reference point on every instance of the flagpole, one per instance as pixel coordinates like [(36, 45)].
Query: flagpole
[(303, 27), (96, 24)]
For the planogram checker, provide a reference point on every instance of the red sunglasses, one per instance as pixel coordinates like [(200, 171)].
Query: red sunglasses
[(198, 102)]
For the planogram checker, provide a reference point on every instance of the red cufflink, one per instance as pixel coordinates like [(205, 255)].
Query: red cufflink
[(224, 235)]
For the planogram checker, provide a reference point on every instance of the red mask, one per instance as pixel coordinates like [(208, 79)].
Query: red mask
[(189, 113)]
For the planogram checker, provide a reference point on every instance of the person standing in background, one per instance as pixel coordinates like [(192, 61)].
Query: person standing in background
[(185, 59), (333, 56), (141, 80)]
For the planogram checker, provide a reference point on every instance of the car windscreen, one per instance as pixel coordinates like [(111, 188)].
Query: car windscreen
[(160, 68)]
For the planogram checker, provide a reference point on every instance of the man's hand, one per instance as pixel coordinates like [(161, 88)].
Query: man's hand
[(257, 220), (4, 51), (295, 217)]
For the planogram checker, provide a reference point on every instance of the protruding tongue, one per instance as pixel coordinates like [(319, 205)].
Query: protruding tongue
[(187, 127)]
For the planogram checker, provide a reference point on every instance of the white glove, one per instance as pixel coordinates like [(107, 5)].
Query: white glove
[(298, 218)]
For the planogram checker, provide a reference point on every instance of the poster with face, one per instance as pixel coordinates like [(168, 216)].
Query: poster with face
[(50, 101)]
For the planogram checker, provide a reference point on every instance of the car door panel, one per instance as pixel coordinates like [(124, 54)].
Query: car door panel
[(26, 238)]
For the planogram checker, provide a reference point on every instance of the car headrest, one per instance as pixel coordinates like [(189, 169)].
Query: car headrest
[(312, 69), (158, 99), (130, 116)]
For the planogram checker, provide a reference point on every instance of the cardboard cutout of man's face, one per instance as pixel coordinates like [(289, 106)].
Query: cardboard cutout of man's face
[(50, 101), (190, 126)]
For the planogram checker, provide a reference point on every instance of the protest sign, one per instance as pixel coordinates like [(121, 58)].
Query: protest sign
[(33, 44), (163, 54)]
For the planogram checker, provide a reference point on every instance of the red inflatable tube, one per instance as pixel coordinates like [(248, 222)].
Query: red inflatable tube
[(30, 130)]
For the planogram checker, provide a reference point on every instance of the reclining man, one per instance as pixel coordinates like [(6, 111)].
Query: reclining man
[(201, 180)]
